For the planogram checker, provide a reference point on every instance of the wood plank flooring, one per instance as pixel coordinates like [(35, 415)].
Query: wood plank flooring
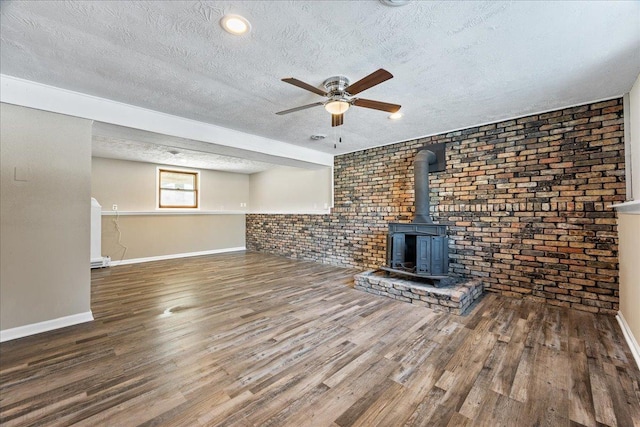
[(248, 339)]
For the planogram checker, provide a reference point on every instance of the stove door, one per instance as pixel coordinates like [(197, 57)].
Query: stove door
[(432, 255), (423, 254), (397, 250)]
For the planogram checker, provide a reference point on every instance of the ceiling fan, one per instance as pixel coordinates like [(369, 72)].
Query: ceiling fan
[(340, 94)]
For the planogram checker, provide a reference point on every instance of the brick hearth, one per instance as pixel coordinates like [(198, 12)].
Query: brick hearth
[(451, 296)]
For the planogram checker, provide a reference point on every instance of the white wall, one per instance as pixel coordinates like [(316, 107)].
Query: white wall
[(629, 223), (291, 190), (632, 133), (45, 206)]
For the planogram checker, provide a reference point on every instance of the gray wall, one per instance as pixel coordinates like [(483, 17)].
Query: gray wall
[(44, 216)]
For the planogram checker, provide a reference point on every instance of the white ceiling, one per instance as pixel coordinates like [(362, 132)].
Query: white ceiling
[(119, 142), (455, 64), (164, 152)]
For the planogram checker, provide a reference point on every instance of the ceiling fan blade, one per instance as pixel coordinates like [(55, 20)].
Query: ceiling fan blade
[(303, 107), (337, 120), (376, 105), (304, 85), (371, 80)]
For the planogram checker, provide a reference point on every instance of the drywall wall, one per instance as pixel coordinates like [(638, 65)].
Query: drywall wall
[(291, 190), (146, 232), (45, 203), (629, 223), (629, 230), (132, 186), (146, 236)]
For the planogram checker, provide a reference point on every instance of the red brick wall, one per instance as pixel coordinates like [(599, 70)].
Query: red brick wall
[(526, 202)]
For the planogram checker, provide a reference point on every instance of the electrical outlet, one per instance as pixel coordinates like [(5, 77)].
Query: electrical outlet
[(114, 207)]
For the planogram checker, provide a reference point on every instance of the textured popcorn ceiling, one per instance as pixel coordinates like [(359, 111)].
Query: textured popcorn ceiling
[(118, 142), (456, 64), (166, 155)]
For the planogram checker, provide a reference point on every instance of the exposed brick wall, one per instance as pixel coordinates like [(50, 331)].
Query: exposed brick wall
[(526, 202)]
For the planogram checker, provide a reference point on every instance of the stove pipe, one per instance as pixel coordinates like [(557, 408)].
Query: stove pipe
[(421, 164)]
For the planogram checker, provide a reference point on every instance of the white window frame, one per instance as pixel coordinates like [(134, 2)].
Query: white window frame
[(178, 170)]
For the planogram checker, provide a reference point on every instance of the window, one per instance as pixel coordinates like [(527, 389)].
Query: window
[(177, 189)]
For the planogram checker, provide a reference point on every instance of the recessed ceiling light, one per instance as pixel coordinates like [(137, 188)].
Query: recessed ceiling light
[(395, 116), (235, 24)]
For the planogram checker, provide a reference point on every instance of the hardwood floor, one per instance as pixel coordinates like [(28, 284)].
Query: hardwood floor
[(248, 339)]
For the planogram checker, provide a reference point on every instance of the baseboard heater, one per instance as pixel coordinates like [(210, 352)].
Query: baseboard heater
[(104, 261)]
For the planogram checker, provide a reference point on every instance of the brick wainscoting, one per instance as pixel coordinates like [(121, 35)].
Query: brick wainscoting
[(526, 202)]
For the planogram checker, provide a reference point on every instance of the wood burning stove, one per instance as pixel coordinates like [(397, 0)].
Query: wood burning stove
[(420, 248)]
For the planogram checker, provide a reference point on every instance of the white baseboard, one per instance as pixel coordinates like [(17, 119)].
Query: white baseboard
[(631, 340), (47, 325), (173, 256)]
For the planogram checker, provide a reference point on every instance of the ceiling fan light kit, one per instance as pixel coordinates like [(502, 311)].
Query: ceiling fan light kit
[(337, 106), (341, 95)]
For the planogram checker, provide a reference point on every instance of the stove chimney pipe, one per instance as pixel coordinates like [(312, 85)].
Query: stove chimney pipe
[(421, 164)]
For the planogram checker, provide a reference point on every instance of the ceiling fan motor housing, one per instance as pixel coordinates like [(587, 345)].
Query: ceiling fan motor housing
[(336, 86)]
